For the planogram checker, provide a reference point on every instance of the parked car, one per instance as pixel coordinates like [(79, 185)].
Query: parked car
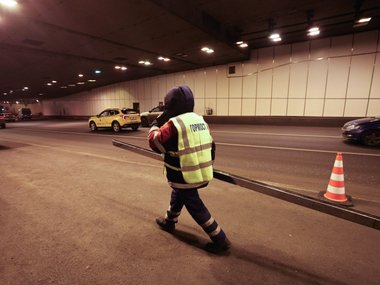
[(148, 117), (2, 122), (9, 117), (115, 118), (365, 130), (24, 114)]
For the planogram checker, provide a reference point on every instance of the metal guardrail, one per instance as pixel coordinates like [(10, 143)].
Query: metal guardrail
[(339, 211)]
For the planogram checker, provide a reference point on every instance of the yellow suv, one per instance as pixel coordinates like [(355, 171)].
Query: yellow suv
[(116, 118)]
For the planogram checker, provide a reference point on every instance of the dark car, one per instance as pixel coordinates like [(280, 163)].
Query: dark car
[(2, 122), (365, 130), (24, 114), (148, 117)]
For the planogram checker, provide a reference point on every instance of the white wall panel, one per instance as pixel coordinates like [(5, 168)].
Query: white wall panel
[(222, 107), (235, 87), (234, 107), (278, 107), (341, 46), (248, 107), (249, 68), (199, 107), (263, 107), (320, 48), (296, 107), (298, 78), (333, 108), (281, 81), (265, 58), (200, 83), (249, 86), (373, 108), (355, 107), (337, 77), (170, 82), (211, 83), (154, 88), (365, 42), (189, 79), (282, 55), (264, 84), (360, 76), (375, 88), (300, 52), (316, 82), (162, 88), (314, 107), (221, 82)]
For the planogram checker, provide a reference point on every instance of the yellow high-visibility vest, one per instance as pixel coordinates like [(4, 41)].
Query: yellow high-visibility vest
[(194, 148)]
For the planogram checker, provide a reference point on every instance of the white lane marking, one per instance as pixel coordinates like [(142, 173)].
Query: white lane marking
[(276, 134), (298, 149), (220, 143)]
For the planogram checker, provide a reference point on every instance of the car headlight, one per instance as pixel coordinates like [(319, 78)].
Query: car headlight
[(352, 127)]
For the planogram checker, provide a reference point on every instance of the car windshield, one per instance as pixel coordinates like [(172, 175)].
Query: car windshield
[(128, 111)]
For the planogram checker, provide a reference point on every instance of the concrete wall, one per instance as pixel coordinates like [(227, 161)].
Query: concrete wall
[(331, 77)]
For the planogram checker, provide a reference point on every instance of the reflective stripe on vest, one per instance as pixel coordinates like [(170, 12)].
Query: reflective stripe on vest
[(194, 148)]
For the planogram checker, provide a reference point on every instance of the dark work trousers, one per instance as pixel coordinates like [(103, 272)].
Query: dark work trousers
[(193, 203)]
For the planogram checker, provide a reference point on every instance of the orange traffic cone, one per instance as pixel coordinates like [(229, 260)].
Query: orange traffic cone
[(335, 190)]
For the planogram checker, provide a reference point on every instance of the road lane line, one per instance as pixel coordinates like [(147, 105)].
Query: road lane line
[(298, 149), (276, 134)]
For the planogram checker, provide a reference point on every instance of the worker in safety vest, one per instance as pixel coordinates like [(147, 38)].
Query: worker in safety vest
[(183, 137)]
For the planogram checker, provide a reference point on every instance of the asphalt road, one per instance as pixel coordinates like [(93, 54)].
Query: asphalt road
[(76, 210)]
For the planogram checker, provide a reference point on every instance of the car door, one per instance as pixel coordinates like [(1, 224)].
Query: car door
[(102, 118)]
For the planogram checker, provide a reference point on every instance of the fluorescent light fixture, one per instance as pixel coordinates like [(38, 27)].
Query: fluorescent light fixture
[(53, 81), (145, 62), (8, 3), (274, 36), (243, 45), (123, 68), (92, 80), (80, 75), (63, 87), (37, 101), (98, 71), (49, 84), (207, 50), (26, 88), (364, 20), (163, 58), (239, 42), (314, 31), (117, 67)]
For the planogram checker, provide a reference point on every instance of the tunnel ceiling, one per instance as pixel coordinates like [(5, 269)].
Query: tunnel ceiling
[(45, 45)]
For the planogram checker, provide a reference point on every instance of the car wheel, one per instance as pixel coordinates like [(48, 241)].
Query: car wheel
[(116, 127), (93, 126), (371, 138), (144, 122)]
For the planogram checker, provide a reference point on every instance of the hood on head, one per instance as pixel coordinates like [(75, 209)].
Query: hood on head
[(179, 100)]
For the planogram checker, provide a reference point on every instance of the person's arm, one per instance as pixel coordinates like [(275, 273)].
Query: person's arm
[(157, 137)]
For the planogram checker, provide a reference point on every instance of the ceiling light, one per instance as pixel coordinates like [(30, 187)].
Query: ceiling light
[(123, 68), (53, 81), (97, 71), (72, 85), (80, 83), (8, 3), (239, 42), (314, 31), (26, 88), (91, 80), (364, 20), (275, 37), (243, 45), (145, 62), (37, 101), (207, 50), (117, 67), (163, 58), (63, 87), (49, 84), (80, 75)]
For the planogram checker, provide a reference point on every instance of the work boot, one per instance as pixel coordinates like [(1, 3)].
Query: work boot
[(218, 246), (165, 224)]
